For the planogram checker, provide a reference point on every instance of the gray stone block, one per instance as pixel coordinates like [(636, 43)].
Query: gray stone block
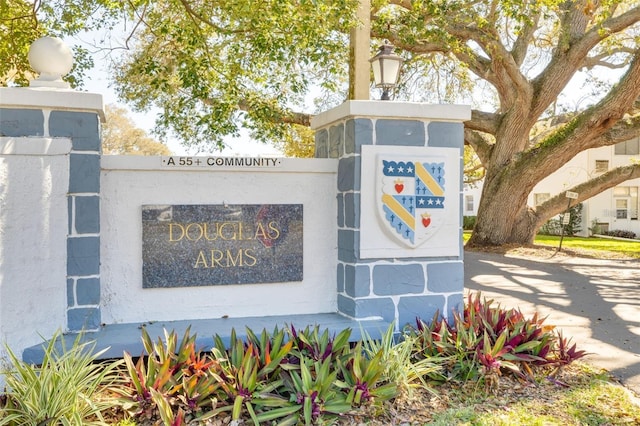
[(346, 306), (455, 303), (357, 280), (70, 215), (447, 277), (336, 141), (88, 291), (322, 144), (398, 279), (400, 132), (357, 132), (79, 319), (376, 307), (87, 214), (340, 199), (446, 135), (21, 122), (349, 174), (84, 173), (83, 256), (423, 307), (82, 127), (352, 210), (71, 301), (340, 277), (348, 245)]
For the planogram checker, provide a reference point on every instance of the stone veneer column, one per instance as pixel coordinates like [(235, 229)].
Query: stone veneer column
[(54, 113), (396, 289)]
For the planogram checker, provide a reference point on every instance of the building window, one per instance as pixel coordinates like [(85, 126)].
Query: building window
[(630, 147), (540, 197), (602, 166), (626, 196), (621, 208), (468, 203)]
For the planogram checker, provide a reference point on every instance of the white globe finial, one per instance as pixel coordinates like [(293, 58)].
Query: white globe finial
[(51, 58)]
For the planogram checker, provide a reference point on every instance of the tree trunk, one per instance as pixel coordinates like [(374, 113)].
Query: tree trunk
[(503, 214)]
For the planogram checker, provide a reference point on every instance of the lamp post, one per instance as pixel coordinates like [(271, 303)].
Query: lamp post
[(386, 69)]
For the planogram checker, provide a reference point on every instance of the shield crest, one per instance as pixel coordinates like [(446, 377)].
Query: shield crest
[(411, 199)]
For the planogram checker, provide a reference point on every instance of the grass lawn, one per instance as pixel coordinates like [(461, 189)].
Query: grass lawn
[(629, 248), (588, 245)]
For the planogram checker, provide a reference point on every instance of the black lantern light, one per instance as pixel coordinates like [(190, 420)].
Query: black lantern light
[(386, 69)]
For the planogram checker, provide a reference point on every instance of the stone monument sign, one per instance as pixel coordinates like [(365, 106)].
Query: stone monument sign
[(204, 245)]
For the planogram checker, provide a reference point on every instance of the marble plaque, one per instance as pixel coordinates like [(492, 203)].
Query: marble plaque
[(206, 245)]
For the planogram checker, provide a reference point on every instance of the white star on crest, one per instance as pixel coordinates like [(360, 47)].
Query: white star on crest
[(421, 202), (430, 201), (390, 169)]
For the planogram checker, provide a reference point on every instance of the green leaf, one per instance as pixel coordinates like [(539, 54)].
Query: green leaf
[(276, 413)]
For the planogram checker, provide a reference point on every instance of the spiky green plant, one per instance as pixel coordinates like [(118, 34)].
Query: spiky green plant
[(173, 381), (63, 390), (401, 365), (313, 388), (361, 377), (249, 376)]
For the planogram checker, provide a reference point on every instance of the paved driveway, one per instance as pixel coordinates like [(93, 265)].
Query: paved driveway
[(596, 302)]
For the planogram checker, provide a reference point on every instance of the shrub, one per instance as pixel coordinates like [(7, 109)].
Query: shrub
[(486, 340), (621, 234), (63, 390), (174, 382), (401, 365), (292, 376), (554, 226), (468, 222)]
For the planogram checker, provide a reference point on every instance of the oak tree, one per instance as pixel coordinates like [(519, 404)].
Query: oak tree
[(212, 67), (246, 65), (528, 51)]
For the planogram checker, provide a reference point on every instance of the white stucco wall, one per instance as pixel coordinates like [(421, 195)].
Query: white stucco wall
[(127, 183), (34, 180), (602, 206)]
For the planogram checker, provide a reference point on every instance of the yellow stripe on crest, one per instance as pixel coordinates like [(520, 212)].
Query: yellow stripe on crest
[(399, 211), (428, 180)]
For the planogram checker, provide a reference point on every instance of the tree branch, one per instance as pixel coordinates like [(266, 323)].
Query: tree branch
[(480, 143), (286, 117), (599, 60), (573, 47), (521, 45), (483, 121), (586, 190), (600, 125)]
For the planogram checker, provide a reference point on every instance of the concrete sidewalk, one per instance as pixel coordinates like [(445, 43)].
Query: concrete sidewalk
[(595, 302)]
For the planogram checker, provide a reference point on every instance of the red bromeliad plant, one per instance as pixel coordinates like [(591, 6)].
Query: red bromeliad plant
[(288, 376), (487, 339), (360, 377), (310, 343), (249, 376), (171, 378), (565, 354)]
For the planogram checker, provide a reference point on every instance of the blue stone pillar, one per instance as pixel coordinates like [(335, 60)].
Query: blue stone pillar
[(74, 116), (83, 241), (395, 287)]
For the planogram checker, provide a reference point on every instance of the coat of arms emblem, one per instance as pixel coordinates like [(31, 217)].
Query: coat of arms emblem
[(411, 197)]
